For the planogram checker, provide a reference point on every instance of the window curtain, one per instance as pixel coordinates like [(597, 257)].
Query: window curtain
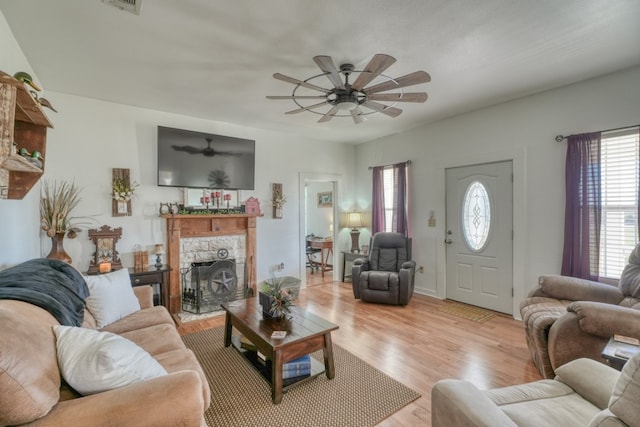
[(583, 207), (399, 218), (377, 200)]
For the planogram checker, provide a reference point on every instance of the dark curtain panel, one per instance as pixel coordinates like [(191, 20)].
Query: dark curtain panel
[(583, 207), (400, 219), (377, 201)]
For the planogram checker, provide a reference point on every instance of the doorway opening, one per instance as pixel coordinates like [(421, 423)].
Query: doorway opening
[(318, 228)]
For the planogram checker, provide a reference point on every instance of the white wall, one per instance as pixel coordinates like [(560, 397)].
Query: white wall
[(523, 130), (91, 137)]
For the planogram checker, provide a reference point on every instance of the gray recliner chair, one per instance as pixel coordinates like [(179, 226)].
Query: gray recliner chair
[(386, 276)]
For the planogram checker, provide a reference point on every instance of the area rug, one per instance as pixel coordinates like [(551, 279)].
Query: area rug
[(359, 395), (466, 311)]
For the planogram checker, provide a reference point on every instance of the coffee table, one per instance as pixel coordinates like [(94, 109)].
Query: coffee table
[(306, 333)]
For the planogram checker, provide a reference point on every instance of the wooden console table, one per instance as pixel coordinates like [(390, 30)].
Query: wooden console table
[(326, 250), (349, 256), (151, 276)]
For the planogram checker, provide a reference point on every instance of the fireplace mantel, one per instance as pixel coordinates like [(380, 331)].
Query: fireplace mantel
[(184, 226)]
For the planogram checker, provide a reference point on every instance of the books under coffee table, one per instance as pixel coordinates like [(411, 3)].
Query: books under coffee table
[(306, 333)]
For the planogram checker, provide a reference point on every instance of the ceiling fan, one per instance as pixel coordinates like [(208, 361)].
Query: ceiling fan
[(208, 151), (346, 98)]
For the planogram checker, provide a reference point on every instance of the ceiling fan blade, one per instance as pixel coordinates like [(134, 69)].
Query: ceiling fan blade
[(288, 79), (326, 64), (399, 97), (411, 79), (296, 97), (300, 110), (374, 68), (329, 114), (358, 118), (384, 109)]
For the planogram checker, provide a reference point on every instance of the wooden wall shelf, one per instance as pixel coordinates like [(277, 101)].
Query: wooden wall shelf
[(23, 121)]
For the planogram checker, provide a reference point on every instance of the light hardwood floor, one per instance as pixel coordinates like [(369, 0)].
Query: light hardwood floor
[(417, 344)]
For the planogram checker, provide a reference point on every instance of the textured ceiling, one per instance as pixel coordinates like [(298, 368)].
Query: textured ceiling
[(215, 59)]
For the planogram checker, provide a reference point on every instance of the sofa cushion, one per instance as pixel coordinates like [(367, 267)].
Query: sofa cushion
[(147, 339), (626, 393), (111, 297), (92, 361), (157, 315), (29, 375), (543, 403)]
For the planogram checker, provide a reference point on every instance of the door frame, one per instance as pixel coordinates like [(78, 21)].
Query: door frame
[(303, 178), (517, 156)]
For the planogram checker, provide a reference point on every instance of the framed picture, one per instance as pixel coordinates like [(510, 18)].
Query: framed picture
[(325, 199), (105, 240)]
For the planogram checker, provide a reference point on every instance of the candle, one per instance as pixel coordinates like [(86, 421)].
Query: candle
[(104, 267)]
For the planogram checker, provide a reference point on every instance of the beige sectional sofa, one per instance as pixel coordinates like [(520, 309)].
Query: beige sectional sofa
[(34, 392), (583, 393)]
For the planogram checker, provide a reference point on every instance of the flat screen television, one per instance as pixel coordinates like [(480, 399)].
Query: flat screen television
[(202, 160)]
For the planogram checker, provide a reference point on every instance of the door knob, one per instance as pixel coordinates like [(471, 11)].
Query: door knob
[(448, 240)]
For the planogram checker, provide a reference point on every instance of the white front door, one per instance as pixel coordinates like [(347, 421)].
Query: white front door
[(479, 235)]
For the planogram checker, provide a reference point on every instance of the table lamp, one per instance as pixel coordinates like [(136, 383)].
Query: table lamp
[(159, 251), (355, 221)]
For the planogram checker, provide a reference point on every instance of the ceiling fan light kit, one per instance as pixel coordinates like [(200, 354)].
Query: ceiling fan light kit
[(345, 98)]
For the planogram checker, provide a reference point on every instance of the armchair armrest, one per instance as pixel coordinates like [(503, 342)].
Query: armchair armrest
[(359, 265), (459, 403), (144, 295), (605, 320), (590, 379), (171, 400), (574, 289), (408, 265)]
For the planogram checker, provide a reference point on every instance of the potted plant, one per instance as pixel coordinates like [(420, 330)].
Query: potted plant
[(57, 202), (276, 299)]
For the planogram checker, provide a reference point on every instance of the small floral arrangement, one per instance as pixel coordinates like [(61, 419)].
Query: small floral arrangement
[(279, 199), (123, 190), (282, 297)]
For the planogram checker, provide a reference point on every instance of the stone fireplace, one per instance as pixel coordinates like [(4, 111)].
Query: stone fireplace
[(202, 239)]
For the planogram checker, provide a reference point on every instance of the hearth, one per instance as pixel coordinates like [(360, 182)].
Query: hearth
[(206, 285)]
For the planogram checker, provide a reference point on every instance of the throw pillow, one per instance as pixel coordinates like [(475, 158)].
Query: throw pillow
[(111, 297), (91, 361)]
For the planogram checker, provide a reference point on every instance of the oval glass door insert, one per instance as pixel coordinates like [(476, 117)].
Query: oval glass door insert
[(476, 216)]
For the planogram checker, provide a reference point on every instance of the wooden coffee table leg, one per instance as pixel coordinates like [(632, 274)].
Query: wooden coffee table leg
[(227, 330), (329, 368), (276, 378)]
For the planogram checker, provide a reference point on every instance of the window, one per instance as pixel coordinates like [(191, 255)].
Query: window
[(619, 180), (390, 199), (476, 216), (388, 191)]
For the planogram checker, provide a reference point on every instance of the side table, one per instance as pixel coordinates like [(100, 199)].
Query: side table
[(150, 276), (349, 256), (617, 353)]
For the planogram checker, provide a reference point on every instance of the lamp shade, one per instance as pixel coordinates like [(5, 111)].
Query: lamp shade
[(159, 249), (355, 220)]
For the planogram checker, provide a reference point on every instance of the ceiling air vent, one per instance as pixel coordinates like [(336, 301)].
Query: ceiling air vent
[(131, 6)]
